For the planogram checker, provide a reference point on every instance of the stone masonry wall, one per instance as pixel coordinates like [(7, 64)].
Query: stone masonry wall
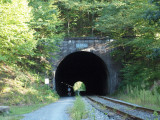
[(99, 47)]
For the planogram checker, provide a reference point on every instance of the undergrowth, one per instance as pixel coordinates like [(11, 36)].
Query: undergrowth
[(21, 87), (145, 98), (78, 111), (23, 90)]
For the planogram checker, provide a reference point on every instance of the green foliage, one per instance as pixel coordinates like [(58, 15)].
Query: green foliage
[(155, 115), (47, 25), (29, 33), (16, 37), (21, 87), (115, 23), (11, 117), (146, 98), (79, 86), (17, 111), (79, 16), (155, 54), (152, 15), (78, 111), (136, 34), (136, 39), (139, 73)]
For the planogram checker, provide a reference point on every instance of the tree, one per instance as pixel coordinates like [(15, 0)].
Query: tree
[(135, 27), (47, 26), (79, 16), (16, 37)]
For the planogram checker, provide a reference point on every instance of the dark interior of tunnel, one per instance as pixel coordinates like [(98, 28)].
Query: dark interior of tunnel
[(82, 66)]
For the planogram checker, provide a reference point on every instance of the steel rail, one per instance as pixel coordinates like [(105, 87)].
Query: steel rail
[(129, 105), (117, 111)]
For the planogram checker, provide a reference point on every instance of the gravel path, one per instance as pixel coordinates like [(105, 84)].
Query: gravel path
[(54, 111)]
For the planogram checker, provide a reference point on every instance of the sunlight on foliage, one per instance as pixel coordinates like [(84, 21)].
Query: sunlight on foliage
[(78, 111), (31, 32), (79, 86), (16, 38), (146, 98), (20, 87)]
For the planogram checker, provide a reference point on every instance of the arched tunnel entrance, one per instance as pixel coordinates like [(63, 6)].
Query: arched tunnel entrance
[(82, 66)]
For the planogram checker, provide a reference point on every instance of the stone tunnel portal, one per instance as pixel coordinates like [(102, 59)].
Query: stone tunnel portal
[(82, 66)]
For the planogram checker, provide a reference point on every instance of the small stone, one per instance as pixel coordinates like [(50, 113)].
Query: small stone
[(4, 109), (111, 114)]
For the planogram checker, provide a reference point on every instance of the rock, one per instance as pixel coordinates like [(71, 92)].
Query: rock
[(111, 114), (4, 109)]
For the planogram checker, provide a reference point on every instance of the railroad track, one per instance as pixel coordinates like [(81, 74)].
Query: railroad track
[(124, 109)]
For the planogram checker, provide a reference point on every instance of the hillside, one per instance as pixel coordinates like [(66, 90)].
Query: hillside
[(22, 87)]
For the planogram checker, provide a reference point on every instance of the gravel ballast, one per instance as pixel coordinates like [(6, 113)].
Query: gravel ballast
[(94, 114), (97, 112), (131, 111)]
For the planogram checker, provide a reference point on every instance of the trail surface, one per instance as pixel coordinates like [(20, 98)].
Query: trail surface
[(54, 111)]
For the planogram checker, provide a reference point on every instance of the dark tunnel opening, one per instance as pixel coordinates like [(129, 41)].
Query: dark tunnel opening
[(82, 66)]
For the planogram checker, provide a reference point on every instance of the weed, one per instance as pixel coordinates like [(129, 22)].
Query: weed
[(146, 98), (23, 91), (155, 115), (21, 87), (93, 114), (102, 107), (78, 111)]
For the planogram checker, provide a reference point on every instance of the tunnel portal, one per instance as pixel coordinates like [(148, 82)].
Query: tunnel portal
[(82, 66)]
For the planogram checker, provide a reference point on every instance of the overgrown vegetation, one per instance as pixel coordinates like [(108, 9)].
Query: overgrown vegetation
[(135, 32), (146, 98), (30, 30), (24, 91), (28, 34), (20, 87), (134, 26), (78, 110), (137, 41)]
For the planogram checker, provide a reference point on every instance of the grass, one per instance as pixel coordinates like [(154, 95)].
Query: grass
[(11, 118), (78, 111), (17, 111), (21, 87), (102, 107), (23, 90), (142, 97)]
